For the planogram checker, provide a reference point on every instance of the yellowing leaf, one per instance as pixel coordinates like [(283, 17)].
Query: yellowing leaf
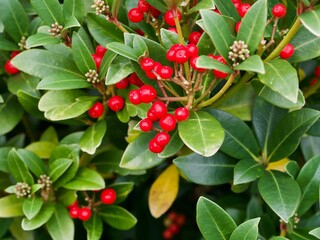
[(278, 165), (164, 191)]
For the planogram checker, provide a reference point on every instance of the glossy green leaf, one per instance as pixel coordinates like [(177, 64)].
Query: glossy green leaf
[(168, 37), (94, 227), (205, 44), (287, 134), (282, 78), (11, 206), (139, 46), (218, 30), (173, 146), (123, 50), (34, 163), (158, 4), (23, 82), (252, 64), (50, 11), (227, 8), (122, 189), (31, 207), (202, 133), (41, 149), (66, 197), (62, 81), (248, 230), (310, 146), (278, 238), (309, 182), (210, 63), (311, 21), (292, 168), (92, 137), (85, 180), (60, 226), (118, 217), (58, 167), (73, 9), (253, 24), (40, 219), (117, 72), (280, 192), (213, 221), (50, 135), (82, 54), (247, 170), (254, 207), (107, 59), (301, 234), (6, 44), (214, 170), (138, 156), (41, 39), (315, 232), (4, 159), (206, 4), (30, 104)]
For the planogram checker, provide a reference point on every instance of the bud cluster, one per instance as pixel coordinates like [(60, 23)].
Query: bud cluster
[(92, 76), (22, 43), (22, 189), (100, 6), (55, 29), (46, 181), (239, 52)]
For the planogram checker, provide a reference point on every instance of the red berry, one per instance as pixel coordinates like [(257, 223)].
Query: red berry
[(147, 64), (181, 114), (147, 93), (317, 71), (170, 55), (238, 24), (166, 72), (135, 80), (287, 51), (124, 83), (157, 67), (74, 212), (143, 6), (14, 53), (177, 46), (151, 115), (193, 61), (167, 234), (155, 147), (313, 81), (97, 59), (134, 97), (159, 109), (108, 196), (162, 138), (155, 12), (172, 29), (150, 75), (217, 11), (96, 110), (100, 50), (169, 17), (243, 9), (84, 214), (181, 56), (146, 125), (168, 123), (279, 10), (181, 219), (194, 37), (192, 50), (172, 216), (10, 69), (140, 32), (236, 3), (74, 204), (116, 103), (135, 15), (218, 73), (174, 228)]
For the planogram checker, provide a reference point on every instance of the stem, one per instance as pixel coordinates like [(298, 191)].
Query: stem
[(170, 90), (173, 99), (119, 25), (274, 28), (206, 93)]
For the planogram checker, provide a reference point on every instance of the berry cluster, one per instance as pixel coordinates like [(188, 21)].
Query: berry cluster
[(98, 55), (46, 181), (137, 14), (173, 223), (100, 6), (239, 52), (154, 70), (8, 67)]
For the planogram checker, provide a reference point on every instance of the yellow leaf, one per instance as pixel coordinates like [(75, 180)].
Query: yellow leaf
[(164, 191), (278, 165)]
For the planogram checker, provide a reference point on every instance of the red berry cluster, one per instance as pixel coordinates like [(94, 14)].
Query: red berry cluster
[(131, 79), (173, 223), (154, 69), (242, 9), (8, 67), (98, 55), (137, 14), (181, 54)]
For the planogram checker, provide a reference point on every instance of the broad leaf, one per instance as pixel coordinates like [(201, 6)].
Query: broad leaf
[(50, 11), (58, 167), (315, 232), (280, 192), (41, 149), (310, 147), (205, 4), (73, 9), (123, 50), (23, 82), (252, 64), (248, 230), (30, 104), (6, 44), (41, 39), (139, 46), (117, 72), (214, 170), (62, 81), (173, 146), (210, 63), (247, 170), (50, 135), (40, 219), (227, 8), (31, 206), (107, 59), (311, 21), (168, 37), (94, 227), (118, 217), (201, 133), (11, 206)]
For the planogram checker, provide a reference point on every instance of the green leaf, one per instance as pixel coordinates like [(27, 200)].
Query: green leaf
[(58, 167), (86, 180), (18, 168), (311, 21), (92, 137), (94, 227), (137, 155), (204, 4), (173, 146), (31, 207), (73, 9), (40, 219), (118, 217), (11, 206), (117, 72), (4, 159), (66, 197), (292, 168), (238, 142), (30, 104), (227, 8), (205, 45), (287, 134), (41, 39), (7, 45), (201, 133), (280, 192), (168, 38), (50, 135), (103, 31), (60, 226), (213, 221), (14, 19), (253, 25), (246, 171), (62, 81), (282, 78), (41, 149), (50, 11), (210, 63), (254, 208), (139, 46), (315, 232), (23, 82), (81, 54), (122, 50), (309, 146), (107, 59), (301, 234), (214, 170), (122, 189), (247, 230), (34, 163), (218, 30), (309, 182), (252, 64)]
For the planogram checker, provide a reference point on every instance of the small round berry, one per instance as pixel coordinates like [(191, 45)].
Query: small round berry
[(96, 110), (243, 9), (155, 12), (124, 83), (313, 81), (180, 219), (279, 10), (169, 17), (181, 114), (9, 68), (135, 80), (84, 214), (159, 109), (143, 6), (14, 53), (147, 93), (166, 72), (140, 32), (172, 216), (116, 103), (162, 138), (193, 62), (238, 24), (192, 50), (152, 116), (194, 37), (100, 50), (287, 51), (74, 204), (97, 59), (174, 228), (181, 56), (168, 123), (167, 234), (150, 75), (108, 196), (317, 71), (74, 212), (157, 67), (172, 29), (236, 3), (146, 64), (135, 15), (134, 97), (146, 125), (170, 55), (155, 147)]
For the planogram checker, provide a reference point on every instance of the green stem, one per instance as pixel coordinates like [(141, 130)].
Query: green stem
[(85, 159)]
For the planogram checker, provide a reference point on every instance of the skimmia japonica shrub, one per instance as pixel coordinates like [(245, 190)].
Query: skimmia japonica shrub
[(158, 119)]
